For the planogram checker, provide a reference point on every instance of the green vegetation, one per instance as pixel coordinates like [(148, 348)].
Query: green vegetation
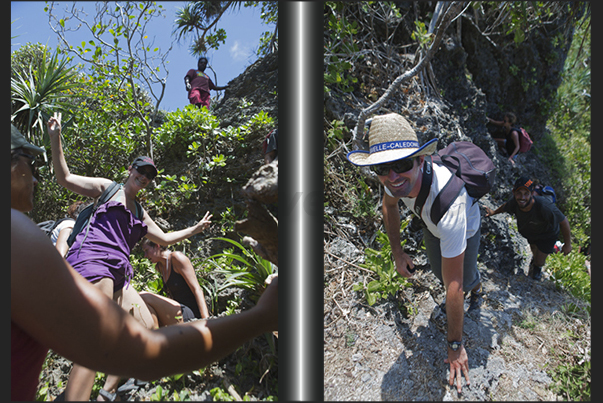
[(566, 150), (382, 264), (569, 272), (108, 120)]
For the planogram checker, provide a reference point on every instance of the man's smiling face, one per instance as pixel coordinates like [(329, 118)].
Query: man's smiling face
[(403, 184), (523, 196)]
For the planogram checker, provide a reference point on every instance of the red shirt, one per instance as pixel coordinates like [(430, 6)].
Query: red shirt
[(200, 80), (26, 359)]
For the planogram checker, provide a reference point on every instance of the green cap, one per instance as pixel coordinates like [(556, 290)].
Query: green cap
[(17, 140)]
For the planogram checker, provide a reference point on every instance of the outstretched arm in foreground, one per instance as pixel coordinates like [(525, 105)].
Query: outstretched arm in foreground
[(52, 303)]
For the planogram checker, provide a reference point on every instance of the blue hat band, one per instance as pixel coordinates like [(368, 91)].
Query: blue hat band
[(394, 145)]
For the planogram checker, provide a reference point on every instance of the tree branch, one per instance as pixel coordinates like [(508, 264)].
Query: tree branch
[(451, 13)]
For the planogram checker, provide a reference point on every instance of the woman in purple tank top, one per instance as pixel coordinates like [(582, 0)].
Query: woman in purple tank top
[(103, 256)]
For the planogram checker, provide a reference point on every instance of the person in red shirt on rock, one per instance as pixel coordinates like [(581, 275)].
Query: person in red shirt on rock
[(198, 84)]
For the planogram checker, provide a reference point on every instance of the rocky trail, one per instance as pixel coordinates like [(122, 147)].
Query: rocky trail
[(382, 352)]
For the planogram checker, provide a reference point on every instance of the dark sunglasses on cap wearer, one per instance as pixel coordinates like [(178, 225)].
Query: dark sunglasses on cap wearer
[(33, 161), (398, 167), (148, 172)]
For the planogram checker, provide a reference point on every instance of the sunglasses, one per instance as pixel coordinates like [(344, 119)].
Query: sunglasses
[(149, 173), (398, 167), (33, 162)]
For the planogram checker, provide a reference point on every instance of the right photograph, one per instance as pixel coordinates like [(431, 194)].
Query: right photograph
[(457, 200)]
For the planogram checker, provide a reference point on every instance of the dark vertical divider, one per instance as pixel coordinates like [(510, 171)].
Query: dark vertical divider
[(300, 201)]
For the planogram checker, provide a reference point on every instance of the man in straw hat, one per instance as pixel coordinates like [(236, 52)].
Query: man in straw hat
[(452, 245)]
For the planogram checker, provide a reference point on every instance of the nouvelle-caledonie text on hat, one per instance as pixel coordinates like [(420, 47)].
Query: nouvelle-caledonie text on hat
[(391, 138)]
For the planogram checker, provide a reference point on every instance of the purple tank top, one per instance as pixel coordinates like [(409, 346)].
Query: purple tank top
[(113, 232)]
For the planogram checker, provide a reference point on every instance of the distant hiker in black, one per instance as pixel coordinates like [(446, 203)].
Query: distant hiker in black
[(538, 220), (510, 142)]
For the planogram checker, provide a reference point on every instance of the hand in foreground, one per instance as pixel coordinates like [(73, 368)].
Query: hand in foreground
[(458, 362), (54, 125)]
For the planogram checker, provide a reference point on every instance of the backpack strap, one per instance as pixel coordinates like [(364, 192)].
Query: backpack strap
[(425, 185), (139, 210), (445, 197)]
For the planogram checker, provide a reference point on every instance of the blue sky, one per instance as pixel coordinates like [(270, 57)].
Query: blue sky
[(243, 28)]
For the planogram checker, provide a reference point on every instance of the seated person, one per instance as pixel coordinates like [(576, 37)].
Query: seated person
[(180, 283)]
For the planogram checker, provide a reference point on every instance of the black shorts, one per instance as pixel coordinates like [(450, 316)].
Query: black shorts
[(187, 313), (545, 245)]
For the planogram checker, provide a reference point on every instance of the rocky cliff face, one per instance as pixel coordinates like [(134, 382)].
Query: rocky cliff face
[(258, 85)]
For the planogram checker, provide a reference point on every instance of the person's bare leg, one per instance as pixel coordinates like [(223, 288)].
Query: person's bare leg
[(539, 256), (538, 260), (81, 379), (131, 302), (168, 311)]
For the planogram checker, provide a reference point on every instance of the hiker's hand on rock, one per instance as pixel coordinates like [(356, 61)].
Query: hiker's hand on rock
[(459, 364), (404, 265), (489, 211)]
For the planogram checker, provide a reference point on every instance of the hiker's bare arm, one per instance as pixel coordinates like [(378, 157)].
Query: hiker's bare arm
[(61, 244), (490, 212), (86, 186), (64, 312), (452, 275), (567, 236), (495, 122), (156, 234), (515, 138), (391, 219)]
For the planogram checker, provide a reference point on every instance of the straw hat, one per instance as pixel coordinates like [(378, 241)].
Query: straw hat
[(390, 139)]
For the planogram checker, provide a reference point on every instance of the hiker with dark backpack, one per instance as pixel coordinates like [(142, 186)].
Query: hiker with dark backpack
[(100, 251), (516, 140), (450, 215)]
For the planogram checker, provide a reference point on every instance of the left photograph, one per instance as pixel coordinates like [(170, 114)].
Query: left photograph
[(144, 201)]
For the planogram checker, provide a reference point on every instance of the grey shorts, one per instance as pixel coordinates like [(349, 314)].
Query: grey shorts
[(471, 276)]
